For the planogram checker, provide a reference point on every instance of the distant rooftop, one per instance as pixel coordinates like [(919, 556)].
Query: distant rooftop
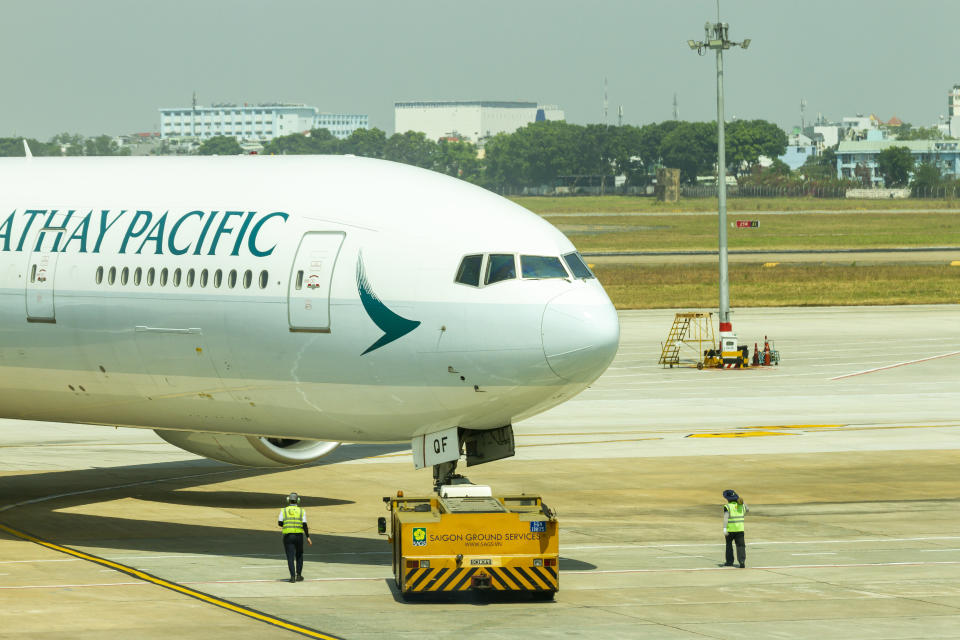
[(490, 104), (915, 146)]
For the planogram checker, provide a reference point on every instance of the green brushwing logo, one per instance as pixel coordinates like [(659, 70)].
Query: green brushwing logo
[(392, 325)]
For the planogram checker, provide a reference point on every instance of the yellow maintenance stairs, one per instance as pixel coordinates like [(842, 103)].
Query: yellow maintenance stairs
[(466, 538), (692, 331)]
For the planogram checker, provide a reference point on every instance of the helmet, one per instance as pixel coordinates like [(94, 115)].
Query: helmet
[(730, 495), (293, 498)]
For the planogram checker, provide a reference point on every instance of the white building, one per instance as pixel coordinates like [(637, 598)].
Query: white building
[(469, 120), (260, 123)]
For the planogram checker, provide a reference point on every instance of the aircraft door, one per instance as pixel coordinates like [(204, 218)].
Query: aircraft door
[(41, 269), (308, 299)]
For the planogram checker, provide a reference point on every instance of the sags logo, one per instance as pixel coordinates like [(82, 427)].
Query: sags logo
[(419, 536)]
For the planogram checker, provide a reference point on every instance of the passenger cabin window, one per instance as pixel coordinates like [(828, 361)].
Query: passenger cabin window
[(177, 276), (542, 267), (217, 278), (191, 276), (151, 275), (247, 279), (99, 275), (264, 278), (500, 266), (469, 271), (163, 277), (112, 275), (232, 278), (578, 267), (203, 278), (137, 276)]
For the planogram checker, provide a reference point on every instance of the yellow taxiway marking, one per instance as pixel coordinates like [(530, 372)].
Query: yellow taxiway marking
[(173, 586), (955, 263), (741, 434), (542, 444), (799, 426), (770, 264)]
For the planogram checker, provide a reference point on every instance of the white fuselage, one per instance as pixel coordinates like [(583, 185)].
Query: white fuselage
[(225, 295)]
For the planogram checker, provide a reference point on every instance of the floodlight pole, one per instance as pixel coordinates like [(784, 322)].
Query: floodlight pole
[(716, 37), (725, 324)]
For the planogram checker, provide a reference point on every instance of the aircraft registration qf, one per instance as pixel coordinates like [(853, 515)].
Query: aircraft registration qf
[(261, 310)]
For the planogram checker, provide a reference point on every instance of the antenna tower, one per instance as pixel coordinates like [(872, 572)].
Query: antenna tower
[(604, 100)]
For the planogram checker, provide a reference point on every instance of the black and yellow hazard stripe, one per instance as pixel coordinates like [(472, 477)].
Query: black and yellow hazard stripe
[(173, 586), (424, 580), (517, 578), (439, 579)]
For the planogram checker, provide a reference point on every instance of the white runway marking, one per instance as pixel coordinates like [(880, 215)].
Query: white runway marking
[(768, 567), (752, 543), (563, 572), (894, 366), (77, 586), (28, 561)]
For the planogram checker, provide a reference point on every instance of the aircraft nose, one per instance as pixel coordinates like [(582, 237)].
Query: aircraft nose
[(580, 332)]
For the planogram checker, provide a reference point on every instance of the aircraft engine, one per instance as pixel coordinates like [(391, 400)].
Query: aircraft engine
[(249, 451)]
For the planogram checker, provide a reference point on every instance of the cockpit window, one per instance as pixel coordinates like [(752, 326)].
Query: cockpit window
[(469, 271), (500, 266), (577, 266), (542, 267)]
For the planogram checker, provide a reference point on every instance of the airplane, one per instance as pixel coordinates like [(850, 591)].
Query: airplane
[(261, 310)]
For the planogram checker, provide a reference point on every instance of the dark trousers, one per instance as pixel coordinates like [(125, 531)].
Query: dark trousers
[(293, 545), (736, 536)]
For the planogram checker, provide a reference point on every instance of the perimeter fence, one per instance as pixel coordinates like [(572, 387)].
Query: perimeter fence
[(938, 192)]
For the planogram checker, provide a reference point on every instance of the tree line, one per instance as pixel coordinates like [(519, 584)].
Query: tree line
[(64, 144), (542, 153), (554, 152)]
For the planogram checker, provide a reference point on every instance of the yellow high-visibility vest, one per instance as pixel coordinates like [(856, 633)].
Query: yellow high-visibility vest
[(292, 519), (735, 519)]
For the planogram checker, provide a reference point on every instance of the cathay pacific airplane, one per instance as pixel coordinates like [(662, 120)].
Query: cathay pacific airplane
[(261, 310)]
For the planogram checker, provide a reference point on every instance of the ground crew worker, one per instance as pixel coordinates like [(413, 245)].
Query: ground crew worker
[(293, 520), (733, 516)]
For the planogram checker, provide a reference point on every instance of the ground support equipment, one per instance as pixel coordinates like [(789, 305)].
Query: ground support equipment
[(465, 539), (690, 330)]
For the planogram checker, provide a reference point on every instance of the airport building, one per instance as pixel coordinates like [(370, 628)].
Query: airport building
[(943, 154), (474, 121), (259, 123), (799, 149)]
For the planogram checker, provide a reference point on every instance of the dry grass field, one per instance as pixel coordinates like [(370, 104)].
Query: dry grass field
[(783, 231), (631, 204), (634, 286)]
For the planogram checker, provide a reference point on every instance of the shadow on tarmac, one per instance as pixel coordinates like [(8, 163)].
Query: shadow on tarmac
[(237, 500), (475, 597), (171, 483)]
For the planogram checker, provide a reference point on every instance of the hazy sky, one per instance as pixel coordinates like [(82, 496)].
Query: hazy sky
[(106, 66)]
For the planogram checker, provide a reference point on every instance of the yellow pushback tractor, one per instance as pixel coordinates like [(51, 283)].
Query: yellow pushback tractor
[(466, 538)]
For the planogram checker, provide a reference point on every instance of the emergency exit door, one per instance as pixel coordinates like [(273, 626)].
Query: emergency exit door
[(308, 299), (40, 275)]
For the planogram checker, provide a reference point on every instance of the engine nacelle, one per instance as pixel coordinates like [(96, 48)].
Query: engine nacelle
[(249, 451)]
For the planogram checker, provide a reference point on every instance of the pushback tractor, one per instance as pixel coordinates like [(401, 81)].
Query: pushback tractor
[(466, 539)]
